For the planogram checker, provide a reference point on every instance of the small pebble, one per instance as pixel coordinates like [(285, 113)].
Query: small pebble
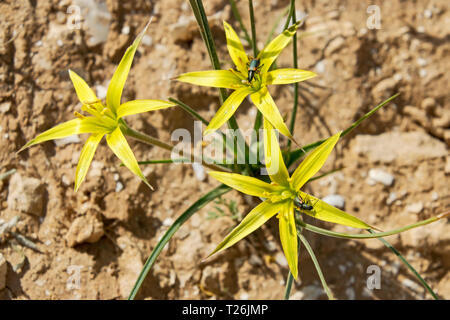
[(101, 91), (381, 176), (281, 259), (335, 200), (125, 30), (119, 186), (67, 140), (391, 198), (199, 171), (167, 222), (416, 207)]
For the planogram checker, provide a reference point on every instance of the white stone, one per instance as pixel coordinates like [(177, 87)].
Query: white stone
[(335, 200), (147, 40), (416, 207), (101, 91), (167, 222), (320, 66), (281, 259), (381, 176), (199, 171), (391, 198), (67, 140), (119, 186), (96, 20), (125, 30)]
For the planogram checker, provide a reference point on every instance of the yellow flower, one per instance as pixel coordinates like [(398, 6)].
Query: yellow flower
[(104, 119), (282, 196), (257, 88)]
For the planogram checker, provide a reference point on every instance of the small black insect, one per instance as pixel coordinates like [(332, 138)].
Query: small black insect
[(302, 205), (253, 67)]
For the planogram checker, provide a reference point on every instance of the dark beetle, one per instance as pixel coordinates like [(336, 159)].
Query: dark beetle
[(253, 68), (302, 205)]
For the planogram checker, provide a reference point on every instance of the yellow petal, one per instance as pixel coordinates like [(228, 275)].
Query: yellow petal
[(273, 158), (273, 49), (68, 128), (119, 145), (264, 102), (115, 88), (140, 106), (313, 162), (288, 75), (227, 109), (245, 184), (256, 218), (87, 153), (212, 78), (236, 49), (326, 212), (288, 236), (85, 94)]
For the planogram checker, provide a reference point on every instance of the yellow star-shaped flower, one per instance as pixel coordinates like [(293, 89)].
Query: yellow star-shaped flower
[(104, 119), (239, 79), (283, 196)]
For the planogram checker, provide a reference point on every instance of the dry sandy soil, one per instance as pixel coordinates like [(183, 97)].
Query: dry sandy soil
[(106, 230)]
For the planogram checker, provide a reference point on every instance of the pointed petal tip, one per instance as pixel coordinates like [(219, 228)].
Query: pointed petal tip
[(147, 183)]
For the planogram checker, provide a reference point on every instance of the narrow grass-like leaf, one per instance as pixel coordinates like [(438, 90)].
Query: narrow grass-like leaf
[(237, 16), (342, 235), (287, 290), (316, 265), (200, 203), (410, 267), (296, 154), (7, 174)]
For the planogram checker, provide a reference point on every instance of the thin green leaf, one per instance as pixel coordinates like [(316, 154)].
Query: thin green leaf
[(316, 264), (410, 267), (200, 203), (296, 154), (342, 235)]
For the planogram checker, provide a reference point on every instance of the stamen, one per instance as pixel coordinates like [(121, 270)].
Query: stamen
[(78, 115)]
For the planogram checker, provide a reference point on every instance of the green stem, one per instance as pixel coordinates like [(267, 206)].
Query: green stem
[(200, 203), (289, 281), (145, 138), (199, 12), (162, 161), (241, 24), (291, 12), (316, 264), (368, 236), (259, 118), (275, 25), (410, 267), (252, 24), (295, 62), (189, 110)]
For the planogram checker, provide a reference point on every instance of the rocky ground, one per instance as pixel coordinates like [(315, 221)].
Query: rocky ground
[(58, 244)]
